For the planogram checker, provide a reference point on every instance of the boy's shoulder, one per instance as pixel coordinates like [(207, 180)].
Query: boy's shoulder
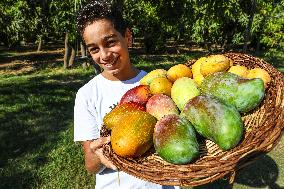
[(143, 73), (100, 83), (88, 88)]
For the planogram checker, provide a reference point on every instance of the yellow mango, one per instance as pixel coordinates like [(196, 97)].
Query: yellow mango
[(241, 71), (259, 73), (147, 79), (134, 135), (161, 85), (214, 63), (197, 76), (178, 71)]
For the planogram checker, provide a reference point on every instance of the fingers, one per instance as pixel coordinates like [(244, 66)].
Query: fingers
[(96, 148), (104, 160), (98, 143)]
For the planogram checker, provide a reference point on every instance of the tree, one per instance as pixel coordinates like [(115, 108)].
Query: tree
[(272, 35), (145, 22), (64, 19), (227, 24), (17, 22), (251, 12)]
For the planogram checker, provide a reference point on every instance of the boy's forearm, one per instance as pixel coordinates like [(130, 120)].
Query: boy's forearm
[(92, 162)]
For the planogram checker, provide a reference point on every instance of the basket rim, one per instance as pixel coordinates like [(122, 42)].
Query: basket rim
[(211, 167)]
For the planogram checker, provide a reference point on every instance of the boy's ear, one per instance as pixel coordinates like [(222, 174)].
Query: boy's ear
[(128, 37)]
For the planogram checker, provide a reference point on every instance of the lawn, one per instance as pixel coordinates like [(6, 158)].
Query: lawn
[(36, 123)]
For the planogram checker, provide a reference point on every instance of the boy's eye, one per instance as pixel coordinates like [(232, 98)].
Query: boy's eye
[(94, 50), (110, 43)]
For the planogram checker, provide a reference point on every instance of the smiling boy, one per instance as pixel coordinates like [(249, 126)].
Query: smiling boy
[(107, 39)]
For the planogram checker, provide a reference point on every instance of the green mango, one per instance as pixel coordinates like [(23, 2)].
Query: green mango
[(244, 94), (182, 90), (175, 139), (215, 120)]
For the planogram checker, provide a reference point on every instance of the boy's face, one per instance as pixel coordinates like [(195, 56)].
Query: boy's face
[(107, 47)]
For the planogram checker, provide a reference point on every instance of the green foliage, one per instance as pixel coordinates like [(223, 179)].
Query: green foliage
[(273, 33), (63, 17), (16, 22), (145, 22), (29, 20), (222, 23)]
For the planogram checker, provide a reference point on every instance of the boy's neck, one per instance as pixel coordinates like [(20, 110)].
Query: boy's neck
[(129, 74)]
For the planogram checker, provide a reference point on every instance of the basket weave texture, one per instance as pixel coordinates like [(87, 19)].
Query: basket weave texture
[(263, 128)]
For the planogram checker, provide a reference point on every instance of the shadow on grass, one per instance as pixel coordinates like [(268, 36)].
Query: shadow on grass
[(33, 113), (262, 173)]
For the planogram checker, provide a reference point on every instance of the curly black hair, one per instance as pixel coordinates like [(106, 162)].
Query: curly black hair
[(97, 10)]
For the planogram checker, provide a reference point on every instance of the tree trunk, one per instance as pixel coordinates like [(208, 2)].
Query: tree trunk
[(258, 38), (248, 29), (72, 57), (83, 50), (85, 63), (39, 47), (224, 45), (67, 52), (257, 46)]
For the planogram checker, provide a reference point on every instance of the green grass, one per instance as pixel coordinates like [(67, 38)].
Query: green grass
[(37, 148), (274, 58), (36, 131)]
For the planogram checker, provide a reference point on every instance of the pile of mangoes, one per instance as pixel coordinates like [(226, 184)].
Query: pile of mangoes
[(171, 107)]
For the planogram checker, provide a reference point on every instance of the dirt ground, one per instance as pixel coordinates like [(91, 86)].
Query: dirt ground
[(15, 63)]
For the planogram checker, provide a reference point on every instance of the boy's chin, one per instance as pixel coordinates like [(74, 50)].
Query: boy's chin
[(112, 72)]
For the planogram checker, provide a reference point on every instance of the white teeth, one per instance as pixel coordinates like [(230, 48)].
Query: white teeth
[(110, 64)]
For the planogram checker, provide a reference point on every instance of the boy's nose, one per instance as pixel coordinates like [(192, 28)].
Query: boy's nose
[(105, 54)]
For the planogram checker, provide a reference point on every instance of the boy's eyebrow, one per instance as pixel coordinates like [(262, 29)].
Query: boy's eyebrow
[(109, 36), (105, 38)]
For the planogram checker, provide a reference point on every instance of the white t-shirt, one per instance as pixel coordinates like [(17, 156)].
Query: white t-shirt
[(93, 101)]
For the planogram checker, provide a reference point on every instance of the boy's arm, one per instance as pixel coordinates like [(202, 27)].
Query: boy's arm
[(95, 161)]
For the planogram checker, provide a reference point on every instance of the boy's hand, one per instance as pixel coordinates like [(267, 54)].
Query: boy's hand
[(96, 148)]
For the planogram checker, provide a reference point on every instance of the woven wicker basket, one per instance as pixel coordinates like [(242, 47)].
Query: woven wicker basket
[(263, 128)]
